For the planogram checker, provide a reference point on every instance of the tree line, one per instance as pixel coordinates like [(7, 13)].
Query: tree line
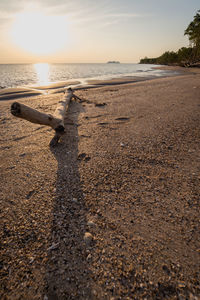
[(185, 56)]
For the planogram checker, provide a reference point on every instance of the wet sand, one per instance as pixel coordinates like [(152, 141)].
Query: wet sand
[(127, 172)]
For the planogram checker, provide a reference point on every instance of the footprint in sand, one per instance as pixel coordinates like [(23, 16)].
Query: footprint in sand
[(85, 136), (84, 157), (93, 117), (103, 123), (122, 119), (100, 104)]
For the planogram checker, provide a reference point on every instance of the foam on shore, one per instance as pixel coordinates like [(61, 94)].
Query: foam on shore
[(19, 92)]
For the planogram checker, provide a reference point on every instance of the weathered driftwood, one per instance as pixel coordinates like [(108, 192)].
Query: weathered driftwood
[(62, 106), (34, 116), (55, 121), (60, 115)]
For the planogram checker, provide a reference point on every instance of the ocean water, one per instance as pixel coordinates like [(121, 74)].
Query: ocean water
[(18, 75)]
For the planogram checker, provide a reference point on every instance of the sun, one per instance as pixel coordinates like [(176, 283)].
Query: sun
[(38, 33)]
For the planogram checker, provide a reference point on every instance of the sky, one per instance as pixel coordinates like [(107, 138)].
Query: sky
[(92, 31)]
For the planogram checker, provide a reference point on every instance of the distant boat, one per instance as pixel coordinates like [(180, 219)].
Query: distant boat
[(113, 62)]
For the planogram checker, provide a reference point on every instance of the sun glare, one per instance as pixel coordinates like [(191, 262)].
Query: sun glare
[(38, 33), (42, 71)]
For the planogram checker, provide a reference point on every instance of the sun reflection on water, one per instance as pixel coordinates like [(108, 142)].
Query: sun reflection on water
[(42, 71)]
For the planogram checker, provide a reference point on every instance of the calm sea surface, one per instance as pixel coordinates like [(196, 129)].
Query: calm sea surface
[(14, 75)]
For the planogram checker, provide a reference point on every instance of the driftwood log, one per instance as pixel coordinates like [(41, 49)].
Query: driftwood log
[(55, 121)]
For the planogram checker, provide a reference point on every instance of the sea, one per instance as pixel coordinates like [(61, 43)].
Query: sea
[(40, 74)]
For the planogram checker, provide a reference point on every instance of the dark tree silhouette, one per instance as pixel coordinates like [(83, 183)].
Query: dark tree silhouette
[(193, 33), (185, 56)]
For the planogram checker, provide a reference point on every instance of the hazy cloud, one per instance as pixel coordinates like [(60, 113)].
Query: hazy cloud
[(126, 15), (11, 6), (107, 24), (85, 10)]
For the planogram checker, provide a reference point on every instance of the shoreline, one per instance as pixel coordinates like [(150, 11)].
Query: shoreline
[(61, 86)]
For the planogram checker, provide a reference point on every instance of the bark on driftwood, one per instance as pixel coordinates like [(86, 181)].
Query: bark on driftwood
[(55, 121)]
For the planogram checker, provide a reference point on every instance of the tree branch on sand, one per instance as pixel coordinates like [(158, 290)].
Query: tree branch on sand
[(55, 121)]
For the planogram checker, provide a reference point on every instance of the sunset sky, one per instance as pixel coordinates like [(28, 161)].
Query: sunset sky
[(92, 30)]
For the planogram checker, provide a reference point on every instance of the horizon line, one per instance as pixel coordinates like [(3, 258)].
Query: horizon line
[(33, 63)]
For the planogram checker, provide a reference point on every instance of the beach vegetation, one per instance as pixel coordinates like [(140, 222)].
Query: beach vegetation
[(193, 33), (185, 56)]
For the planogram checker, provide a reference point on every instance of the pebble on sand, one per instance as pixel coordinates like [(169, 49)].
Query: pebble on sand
[(88, 238), (91, 223)]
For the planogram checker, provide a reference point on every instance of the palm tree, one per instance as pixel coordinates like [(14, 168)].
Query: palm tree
[(193, 32)]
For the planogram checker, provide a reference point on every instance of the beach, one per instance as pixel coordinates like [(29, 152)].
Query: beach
[(111, 212)]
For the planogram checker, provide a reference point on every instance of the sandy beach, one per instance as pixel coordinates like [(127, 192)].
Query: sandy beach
[(126, 173)]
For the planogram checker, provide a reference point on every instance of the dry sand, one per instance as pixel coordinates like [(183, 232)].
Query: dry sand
[(127, 172)]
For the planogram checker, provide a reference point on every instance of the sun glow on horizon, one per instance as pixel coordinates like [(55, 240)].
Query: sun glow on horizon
[(40, 34)]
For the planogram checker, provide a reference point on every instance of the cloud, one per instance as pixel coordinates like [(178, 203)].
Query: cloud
[(126, 15), (107, 24), (103, 13), (75, 6), (100, 9), (11, 6), (106, 19)]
